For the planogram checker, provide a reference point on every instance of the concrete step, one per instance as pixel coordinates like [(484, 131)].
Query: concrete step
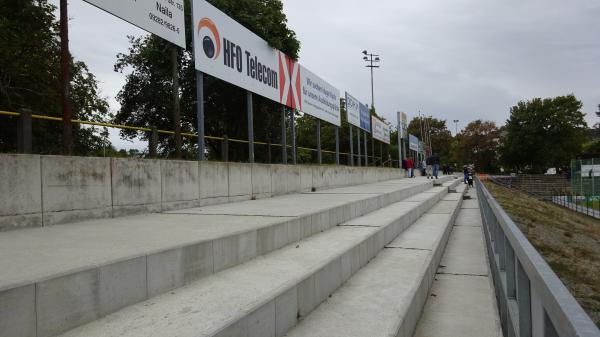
[(462, 301), (386, 297), (56, 278), (265, 296)]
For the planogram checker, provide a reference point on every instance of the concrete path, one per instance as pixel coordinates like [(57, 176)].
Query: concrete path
[(461, 302)]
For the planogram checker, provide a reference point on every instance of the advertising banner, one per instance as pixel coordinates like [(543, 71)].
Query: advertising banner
[(352, 110), (358, 113), (319, 98), (227, 50), (413, 142), (590, 171), (365, 118), (381, 131), (402, 124), (164, 18)]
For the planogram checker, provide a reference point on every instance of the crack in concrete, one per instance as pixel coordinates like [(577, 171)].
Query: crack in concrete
[(368, 226), (463, 274), (407, 248)]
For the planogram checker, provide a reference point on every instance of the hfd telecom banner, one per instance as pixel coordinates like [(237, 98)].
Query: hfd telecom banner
[(381, 131), (229, 51), (164, 18)]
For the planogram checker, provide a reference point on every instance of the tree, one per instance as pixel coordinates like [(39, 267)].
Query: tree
[(29, 71), (544, 133), (479, 144), (441, 138), (146, 97)]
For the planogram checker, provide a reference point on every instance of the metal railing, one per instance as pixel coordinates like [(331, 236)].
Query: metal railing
[(25, 128), (532, 300)]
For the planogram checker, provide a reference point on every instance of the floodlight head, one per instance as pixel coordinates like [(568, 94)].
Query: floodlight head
[(365, 58), (377, 59), (365, 52)]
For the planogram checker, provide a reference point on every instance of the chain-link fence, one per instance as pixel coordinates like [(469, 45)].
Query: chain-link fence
[(585, 177), (584, 194)]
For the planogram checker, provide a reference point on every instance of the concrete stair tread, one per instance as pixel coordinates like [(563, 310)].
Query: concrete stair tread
[(33, 255), (386, 296), (242, 298)]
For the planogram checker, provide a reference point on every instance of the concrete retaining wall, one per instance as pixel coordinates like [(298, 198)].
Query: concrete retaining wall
[(40, 191)]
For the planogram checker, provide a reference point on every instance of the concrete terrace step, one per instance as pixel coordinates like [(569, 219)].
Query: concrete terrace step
[(386, 297), (265, 296), (462, 302), (56, 278)]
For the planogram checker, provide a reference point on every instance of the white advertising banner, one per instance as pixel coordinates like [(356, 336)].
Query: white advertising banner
[(319, 98), (164, 18), (590, 171), (353, 110), (402, 124), (381, 131), (227, 50)]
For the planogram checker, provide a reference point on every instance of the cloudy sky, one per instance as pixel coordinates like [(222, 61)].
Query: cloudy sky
[(459, 59)]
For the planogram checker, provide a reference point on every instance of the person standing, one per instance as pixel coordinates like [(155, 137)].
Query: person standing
[(466, 174), (429, 167), (410, 165), (435, 163)]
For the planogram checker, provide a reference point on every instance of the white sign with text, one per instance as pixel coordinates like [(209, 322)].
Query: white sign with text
[(227, 50), (381, 131), (164, 18)]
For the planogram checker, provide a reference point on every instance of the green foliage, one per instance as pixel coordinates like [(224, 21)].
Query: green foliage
[(146, 97), (441, 138), (479, 144), (29, 79), (544, 133)]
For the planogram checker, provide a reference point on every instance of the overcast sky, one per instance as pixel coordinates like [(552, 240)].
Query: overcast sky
[(459, 59)]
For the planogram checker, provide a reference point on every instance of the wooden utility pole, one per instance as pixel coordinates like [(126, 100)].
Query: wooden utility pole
[(65, 79)]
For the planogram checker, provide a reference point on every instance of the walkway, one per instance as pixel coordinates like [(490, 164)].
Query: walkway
[(461, 302)]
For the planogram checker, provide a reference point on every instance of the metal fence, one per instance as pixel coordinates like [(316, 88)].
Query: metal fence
[(532, 300), (25, 136)]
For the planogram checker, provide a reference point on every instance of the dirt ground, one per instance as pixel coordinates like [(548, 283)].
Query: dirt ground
[(568, 241)]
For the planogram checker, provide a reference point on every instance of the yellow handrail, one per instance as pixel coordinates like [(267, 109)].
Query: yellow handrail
[(137, 128)]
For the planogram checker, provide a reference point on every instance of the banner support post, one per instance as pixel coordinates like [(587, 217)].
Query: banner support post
[(294, 161), (200, 112), (250, 126), (337, 145), (351, 147), (359, 155), (319, 155), (283, 137), (366, 150)]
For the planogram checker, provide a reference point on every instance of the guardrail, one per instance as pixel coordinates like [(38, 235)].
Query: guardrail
[(25, 139), (532, 300)]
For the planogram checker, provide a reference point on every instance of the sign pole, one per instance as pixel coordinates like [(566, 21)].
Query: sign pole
[(250, 126), (294, 161), (351, 147), (319, 155), (358, 147), (65, 79), (373, 149), (366, 150), (176, 106), (200, 112), (283, 137), (337, 145)]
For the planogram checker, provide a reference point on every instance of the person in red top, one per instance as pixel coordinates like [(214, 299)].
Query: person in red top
[(410, 164)]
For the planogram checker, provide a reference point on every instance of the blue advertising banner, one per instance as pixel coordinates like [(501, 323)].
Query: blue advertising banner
[(414, 142), (365, 118)]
